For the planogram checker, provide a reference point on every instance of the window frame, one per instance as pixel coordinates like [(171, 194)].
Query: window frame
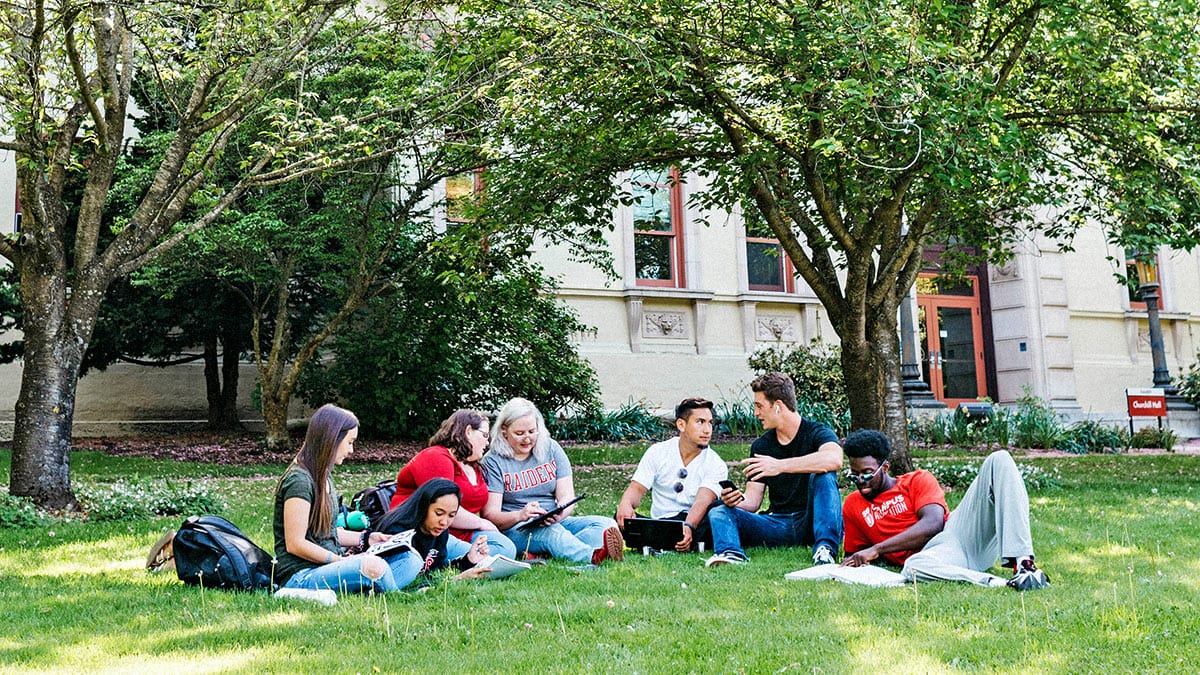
[(477, 187), (675, 246), (787, 273)]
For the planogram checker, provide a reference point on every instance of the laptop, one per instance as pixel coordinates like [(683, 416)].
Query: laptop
[(657, 534)]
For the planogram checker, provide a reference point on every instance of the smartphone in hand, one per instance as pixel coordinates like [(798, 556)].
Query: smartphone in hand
[(728, 485)]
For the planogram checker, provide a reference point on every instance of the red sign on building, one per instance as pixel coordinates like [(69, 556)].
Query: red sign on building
[(1146, 402)]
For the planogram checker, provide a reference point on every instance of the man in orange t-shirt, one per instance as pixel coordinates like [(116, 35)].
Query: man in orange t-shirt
[(893, 516), (906, 521)]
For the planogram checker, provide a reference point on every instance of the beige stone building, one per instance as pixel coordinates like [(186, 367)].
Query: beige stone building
[(694, 295)]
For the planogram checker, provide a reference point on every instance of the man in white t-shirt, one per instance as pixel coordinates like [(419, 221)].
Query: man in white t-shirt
[(682, 475)]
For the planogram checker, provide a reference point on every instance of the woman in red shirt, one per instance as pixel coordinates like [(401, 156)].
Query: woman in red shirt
[(454, 452)]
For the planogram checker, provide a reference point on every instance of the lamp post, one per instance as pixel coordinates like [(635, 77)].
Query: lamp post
[(1147, 273), (917, 393)]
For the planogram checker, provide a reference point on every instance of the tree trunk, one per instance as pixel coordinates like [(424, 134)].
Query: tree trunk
[(212, 382), (275, 414), (230, 365), (895, 413), (863, 376), (41, 453), (57, 331), (871, 369), (221, 384)]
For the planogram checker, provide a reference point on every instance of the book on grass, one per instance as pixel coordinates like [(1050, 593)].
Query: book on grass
[(538, 521), (398, 543), (501, 566), (867, 575)]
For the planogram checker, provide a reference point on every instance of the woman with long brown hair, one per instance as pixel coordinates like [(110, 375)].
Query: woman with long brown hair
[(454, 452), (309, 550)]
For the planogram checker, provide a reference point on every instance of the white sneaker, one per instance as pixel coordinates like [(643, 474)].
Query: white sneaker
[(824, 556), (725, 559), (323, 596)]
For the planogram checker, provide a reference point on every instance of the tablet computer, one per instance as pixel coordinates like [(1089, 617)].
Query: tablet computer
[(541, 520), (657, 533)]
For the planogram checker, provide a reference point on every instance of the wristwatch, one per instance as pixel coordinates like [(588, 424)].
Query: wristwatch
[(689, 526)]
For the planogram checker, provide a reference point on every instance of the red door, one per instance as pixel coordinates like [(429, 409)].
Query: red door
[(951, 338)]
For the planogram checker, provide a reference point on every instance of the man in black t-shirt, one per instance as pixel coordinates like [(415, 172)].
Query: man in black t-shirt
[(795, 462)]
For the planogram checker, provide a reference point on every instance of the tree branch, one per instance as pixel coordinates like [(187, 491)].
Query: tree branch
[(160, 364), (81, 78), (1062, 113)]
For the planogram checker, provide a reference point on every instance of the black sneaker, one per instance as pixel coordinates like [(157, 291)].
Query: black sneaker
[(1029, 577)]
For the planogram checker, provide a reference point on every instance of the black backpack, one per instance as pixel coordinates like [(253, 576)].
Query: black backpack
[(375, 501), (212, 552)]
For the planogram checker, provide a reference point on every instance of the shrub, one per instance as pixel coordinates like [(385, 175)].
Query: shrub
[(634, 421), (1090, 436), (816, 369), (411, 358), (133, 500), (1189, 382), (837, 419), (956, 429), (959, 475), (998, 429), (19, 512), (929, 429), (1152, 437), (1034, 424), (736, 417)]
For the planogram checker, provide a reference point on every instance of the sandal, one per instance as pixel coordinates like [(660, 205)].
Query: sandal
[(162, 554)]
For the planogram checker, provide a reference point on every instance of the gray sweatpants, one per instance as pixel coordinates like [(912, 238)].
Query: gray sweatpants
[(992, 521)]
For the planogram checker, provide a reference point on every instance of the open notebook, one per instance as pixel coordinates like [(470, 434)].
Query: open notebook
[(868, 575), (501, 566), (399, 543)]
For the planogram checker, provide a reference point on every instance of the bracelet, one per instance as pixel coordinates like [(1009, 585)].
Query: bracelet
[(328, 557), (366, 535), (689, 526)]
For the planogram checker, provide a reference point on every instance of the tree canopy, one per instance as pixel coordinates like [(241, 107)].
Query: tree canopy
[(67, 73), (860, 132)]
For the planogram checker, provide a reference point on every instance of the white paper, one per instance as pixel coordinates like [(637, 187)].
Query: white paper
[(867, 575), (501, 566), (402, 540)]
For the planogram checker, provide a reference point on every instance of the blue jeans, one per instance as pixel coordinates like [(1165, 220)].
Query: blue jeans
[(819, 525), (498, 544), (344, 576), (575, 538), (407, 566)]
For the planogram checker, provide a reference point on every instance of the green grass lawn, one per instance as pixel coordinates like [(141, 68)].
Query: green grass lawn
[(1119, 541)]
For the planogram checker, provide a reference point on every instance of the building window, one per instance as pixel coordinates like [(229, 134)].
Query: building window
[(462, 192), (767, 266), (657, 227)]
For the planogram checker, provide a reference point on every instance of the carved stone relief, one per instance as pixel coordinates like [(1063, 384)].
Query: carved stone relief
[(1143, 341), (665, 324), (775, 329), (1006, 272)]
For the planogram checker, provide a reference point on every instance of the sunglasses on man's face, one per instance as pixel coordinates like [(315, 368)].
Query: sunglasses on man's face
[(860, 478)]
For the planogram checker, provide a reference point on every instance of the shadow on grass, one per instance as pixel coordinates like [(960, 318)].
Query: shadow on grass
[(1118, 544)]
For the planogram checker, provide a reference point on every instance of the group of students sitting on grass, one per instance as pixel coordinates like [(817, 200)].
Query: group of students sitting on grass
[(471, 494)]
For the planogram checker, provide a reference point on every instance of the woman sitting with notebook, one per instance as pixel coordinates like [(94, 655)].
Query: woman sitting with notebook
[(528, 475), (423, 521)]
